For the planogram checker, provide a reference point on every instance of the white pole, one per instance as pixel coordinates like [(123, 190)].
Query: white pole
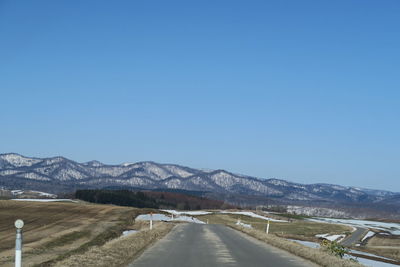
[(18, 243), (18, 248), (268, 227), (172, 216), (151, 221)]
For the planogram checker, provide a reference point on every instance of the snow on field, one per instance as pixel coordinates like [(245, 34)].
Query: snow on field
[(43, 200), (252, 214), (245, 225), (331, 237), (393, 228), (368, 235), (17, 192), (44, 194), (163, 217), (364, 261), (129, 232), (192, 213), (200, 212), (368, 254), (155, 217), (370, 263)]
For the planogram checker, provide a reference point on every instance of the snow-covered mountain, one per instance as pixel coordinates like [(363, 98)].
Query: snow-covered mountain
[(59, 174)]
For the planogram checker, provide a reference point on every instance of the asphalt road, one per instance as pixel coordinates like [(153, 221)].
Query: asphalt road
[(354, 237), (214, 245)]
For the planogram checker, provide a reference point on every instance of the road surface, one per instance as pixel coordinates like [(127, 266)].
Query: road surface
[(354, 237), (214, 245)]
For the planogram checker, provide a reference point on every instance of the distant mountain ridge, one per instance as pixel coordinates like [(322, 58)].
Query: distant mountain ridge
[(59, 174)]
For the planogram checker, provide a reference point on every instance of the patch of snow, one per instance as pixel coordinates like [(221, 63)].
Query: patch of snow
[(393, 228), (9, 172), (19, 161), (17, 192), (70, 174), (162, 217), (33, 176), (43, 200), (368, 235), (113, 171), (353, 229), (53, 160), (364, 261), (173, 183), (206, 170), (315, 211), (154, 217), (178, 171), (244, 225), (129, 232), (368, 254), (192, 213), (252, 214), (370, 263), (154, 171), (44, 194), (278, 182), (331, 237)]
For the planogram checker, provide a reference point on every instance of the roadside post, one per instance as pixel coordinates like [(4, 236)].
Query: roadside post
[(18, 243), (267, 227), (151, 220)]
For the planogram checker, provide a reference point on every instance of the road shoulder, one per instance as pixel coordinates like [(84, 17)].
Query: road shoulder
[(316, 256)]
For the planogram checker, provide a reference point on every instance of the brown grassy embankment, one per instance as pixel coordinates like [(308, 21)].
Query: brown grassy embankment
[(317, 256), (120, 251), (386, 246), (55, 230)]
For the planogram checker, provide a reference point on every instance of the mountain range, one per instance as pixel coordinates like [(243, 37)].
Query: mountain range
[(59, 174)]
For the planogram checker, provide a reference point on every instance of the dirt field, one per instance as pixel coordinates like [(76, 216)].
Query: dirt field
[(56, 230)]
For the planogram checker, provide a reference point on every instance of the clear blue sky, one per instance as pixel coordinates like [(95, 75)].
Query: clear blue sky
[(307, 91)]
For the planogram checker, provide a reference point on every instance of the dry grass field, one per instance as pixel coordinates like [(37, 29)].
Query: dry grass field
[(317, 256), (297, 229), (120, 251), (56, 230), (387, 246)]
